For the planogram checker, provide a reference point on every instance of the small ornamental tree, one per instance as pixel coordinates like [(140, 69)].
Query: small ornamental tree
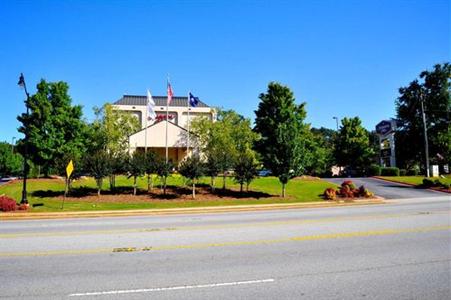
[(164, 169), (98, 167), (245, 170), (212, 168), (150, 166), (192, 168), (118, 163), (136, 167)]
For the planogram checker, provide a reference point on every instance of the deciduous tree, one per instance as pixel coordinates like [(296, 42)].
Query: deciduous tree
[(11, 163), (434, 88), (353, 149), (54, 126), (280, 122), (192, 168)]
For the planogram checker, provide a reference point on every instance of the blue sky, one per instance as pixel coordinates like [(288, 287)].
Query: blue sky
[(344, 58)]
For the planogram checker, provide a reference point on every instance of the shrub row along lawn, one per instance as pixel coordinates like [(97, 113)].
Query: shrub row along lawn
[(416, 180), (262, 191)]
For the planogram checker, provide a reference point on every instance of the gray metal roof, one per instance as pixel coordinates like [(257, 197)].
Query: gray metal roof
[(159, 101)]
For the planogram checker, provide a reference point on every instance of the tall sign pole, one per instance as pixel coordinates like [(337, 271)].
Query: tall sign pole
[(386, 132)]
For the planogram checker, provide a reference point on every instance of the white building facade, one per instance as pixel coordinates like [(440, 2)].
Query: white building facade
[(153, 134)]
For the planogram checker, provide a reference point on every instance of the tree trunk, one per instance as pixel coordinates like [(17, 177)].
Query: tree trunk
[(134, 185), (213, 184), (112, 182), (247, 187), (241, 188), (149, 180), (224, 180), (99, 186), (194, 190), (164, 185), (283, 190)]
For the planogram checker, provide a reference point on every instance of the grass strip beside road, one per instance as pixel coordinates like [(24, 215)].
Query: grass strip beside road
[(414, 180), (49, 191)]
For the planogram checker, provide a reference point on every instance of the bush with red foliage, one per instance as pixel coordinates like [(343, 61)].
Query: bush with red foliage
[(330, 194), (349, 183), (7, 204), (346, 191)]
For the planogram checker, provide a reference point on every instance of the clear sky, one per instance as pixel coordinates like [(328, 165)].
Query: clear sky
[(344, 58)]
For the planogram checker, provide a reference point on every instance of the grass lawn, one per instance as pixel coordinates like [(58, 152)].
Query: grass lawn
[(416, 180), (264, 190)]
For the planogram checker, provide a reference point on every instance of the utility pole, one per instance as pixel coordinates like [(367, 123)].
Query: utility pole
[(426, 144)]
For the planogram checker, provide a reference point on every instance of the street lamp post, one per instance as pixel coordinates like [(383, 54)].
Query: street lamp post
[(25, 165), (426, 144), (336, 119)]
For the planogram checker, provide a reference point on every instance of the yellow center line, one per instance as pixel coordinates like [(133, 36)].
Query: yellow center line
[(341, 235), (205, 227)]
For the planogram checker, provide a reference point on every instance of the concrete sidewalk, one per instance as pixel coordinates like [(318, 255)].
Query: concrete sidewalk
[(20, 215)]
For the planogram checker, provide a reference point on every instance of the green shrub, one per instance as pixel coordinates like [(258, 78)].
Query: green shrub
[(374, 170), (427, 183), (413, 172), (392, 171), (446, 186), (402, 172)]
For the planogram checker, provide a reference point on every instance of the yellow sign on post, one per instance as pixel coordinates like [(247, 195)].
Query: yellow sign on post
[(69, 168)]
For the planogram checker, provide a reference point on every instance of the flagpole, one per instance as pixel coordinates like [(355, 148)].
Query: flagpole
[(187, 144), (147, 118), (167, 119)]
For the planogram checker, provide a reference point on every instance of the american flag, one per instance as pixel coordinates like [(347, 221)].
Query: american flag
[(170, 93)]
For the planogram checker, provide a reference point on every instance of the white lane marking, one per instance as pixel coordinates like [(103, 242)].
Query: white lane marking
[(174, 288)]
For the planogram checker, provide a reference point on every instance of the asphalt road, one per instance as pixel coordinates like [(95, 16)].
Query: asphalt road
[(389, 190), (399, 250)]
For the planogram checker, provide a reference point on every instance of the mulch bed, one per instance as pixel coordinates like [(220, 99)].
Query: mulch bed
[(157, 196)]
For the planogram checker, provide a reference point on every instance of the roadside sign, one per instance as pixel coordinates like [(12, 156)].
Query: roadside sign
[(384, 127), (69, 168), (386, 152)]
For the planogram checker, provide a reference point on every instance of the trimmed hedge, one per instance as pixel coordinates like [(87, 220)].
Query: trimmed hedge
[(412, 172), (392, 171), (374, 170)]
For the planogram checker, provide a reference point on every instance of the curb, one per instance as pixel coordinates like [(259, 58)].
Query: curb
[(179, 211)]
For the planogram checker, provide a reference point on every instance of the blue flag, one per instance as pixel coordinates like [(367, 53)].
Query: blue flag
[(193, 101)]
